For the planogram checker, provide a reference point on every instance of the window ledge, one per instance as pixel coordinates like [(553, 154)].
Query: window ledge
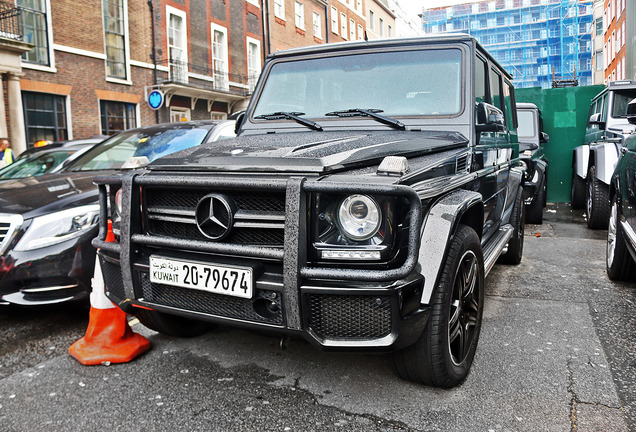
[(118, 81), (38, 67)]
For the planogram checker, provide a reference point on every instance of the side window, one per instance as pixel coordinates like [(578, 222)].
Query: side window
[(495, 89), (510, 105), (480, 79), (604, 107)]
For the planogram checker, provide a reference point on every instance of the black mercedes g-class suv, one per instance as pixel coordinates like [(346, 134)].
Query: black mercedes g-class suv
[(372, 187)]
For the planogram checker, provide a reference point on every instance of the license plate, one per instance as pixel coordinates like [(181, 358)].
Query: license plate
[(219, 279)]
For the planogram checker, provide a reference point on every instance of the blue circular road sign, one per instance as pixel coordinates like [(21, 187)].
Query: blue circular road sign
[(155, 99)]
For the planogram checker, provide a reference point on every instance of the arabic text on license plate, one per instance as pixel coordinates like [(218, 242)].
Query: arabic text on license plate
[(219, 279)]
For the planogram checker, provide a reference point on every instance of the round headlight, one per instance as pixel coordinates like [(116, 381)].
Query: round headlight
[(359, 217)]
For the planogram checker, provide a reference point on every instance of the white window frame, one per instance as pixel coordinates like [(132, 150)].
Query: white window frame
[(299, 14), (49, 36), (99, 112), (360, 32), (128, 79), (220, 83), (254, 2), (334, 20), (372, 20), (317, 24), (279, 9), (174, 110), (343, 26), (352, 29), (184, 48), (253, 77)]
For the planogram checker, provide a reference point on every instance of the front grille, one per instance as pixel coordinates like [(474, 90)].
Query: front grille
[(8, 225), (4, 230), (258, 220), (208, 303), (113, 279), (350, 317)]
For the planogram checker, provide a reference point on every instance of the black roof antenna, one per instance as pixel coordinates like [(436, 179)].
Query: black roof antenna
[(366, 38)]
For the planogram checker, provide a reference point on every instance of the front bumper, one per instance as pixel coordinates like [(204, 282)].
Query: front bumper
[(372, 308), (334, 315), (51, 275)]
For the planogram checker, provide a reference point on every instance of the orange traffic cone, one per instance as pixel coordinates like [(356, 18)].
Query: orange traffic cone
[(109, 338)]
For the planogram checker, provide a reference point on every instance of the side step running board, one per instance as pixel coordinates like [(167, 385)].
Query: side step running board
[(496, 246)]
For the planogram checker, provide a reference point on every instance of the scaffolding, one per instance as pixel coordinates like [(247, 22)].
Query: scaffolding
[(537, 41)]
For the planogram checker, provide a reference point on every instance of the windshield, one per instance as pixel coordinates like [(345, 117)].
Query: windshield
[(112, 153), (621, 99), (526, 124), (402, 83), (35, 165)]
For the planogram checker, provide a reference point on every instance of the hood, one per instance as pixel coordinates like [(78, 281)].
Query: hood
[(44, 194), (308, 152)]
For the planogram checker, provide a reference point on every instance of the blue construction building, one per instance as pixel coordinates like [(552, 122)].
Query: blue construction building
[(537, 41)]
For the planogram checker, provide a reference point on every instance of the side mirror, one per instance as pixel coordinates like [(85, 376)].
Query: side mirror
[(631, 112), (239, 122), (596, 119), (544, 138), (489, 118)]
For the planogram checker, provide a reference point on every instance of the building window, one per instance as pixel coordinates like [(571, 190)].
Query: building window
[(44, 117), (352, 30), (599, 26), (389, 31), (343, 25), (116, 116), (220, 59), (360, 32), (253, 61), (381, 26), (372, 20), (177, 45), (299, 13), (279, 9), (35, 28), (317, 26), (114, 38), (334, 20), (179, 114), (358, 5)]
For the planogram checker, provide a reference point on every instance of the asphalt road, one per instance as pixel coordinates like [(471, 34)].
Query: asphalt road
[(556, 354)]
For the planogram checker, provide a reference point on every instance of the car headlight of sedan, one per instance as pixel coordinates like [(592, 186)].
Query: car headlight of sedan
[(58, 227)]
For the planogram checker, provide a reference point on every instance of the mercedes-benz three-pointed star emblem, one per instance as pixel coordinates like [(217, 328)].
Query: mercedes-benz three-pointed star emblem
[(215, 216)]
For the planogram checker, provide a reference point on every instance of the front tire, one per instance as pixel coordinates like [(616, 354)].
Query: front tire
[(171, 325), (444, 353), (515, 245), (534, 212), (598, 205), (620, 264), (577, 193)]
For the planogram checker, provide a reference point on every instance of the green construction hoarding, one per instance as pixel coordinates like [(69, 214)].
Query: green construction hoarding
[(565, 114)]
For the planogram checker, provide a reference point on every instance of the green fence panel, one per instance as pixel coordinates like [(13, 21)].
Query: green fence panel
[(565, 112)]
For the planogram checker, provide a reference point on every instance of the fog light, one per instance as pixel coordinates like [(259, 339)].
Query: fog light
[(340, 254)]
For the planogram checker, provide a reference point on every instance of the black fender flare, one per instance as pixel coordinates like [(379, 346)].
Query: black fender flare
[(441, 222)]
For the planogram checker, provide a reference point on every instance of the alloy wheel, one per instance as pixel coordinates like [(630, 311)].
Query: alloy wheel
[(465, 307), (611, 234)]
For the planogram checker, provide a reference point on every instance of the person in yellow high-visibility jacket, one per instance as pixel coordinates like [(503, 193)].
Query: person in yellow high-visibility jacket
[(6, 155)]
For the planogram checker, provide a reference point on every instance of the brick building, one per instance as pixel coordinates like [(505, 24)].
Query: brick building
[(294, 23), (619, 21), (91, 64)]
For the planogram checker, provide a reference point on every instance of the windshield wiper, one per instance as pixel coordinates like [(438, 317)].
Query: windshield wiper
[(371, 112), (291, 116)]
